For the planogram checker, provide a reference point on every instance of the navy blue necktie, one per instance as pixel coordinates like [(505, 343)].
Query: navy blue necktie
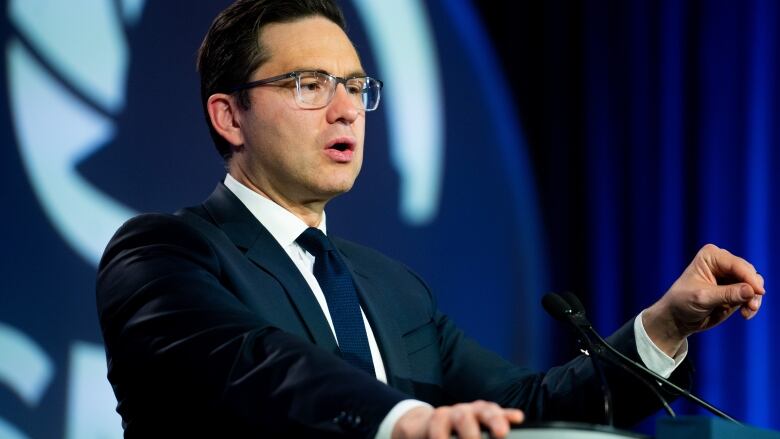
[(340, 293)]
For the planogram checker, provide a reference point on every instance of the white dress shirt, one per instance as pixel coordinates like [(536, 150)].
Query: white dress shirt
[(285, 227)]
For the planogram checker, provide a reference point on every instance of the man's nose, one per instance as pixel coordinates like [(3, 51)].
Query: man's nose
[(343, 107)]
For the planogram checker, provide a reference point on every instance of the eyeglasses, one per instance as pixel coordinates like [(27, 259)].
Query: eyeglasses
[(315, 90)]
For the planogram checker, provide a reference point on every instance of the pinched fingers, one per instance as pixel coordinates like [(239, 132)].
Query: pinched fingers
[(720, 301), (726, 267)]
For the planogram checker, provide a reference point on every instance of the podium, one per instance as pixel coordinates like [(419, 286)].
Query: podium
[(681, 427), (706, 427), (570, 430)]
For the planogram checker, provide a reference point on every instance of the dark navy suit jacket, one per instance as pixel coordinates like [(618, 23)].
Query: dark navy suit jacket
[(211, 330)]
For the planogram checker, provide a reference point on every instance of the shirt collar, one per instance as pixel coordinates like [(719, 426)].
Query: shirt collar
[(283, 225)]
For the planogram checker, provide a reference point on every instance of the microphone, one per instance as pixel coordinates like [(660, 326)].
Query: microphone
[(574, 314), (561, 310), (584, 325), (564, 310)]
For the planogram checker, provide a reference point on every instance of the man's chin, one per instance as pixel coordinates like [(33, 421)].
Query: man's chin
[(325, 193), (335, 191), (340, 184)]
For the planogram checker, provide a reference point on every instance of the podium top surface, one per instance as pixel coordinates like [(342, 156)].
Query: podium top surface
[(681, 427), (707, 427), (568, 430)]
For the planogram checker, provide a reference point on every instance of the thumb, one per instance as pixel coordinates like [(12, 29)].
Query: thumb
[(733, 295)]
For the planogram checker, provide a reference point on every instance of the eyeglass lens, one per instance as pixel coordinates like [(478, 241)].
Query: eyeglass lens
[(316, 89)]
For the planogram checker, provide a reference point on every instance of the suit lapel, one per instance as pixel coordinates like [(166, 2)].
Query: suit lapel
[(379, 309), (260, 247)]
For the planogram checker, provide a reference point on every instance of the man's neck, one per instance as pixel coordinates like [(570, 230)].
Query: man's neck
[(310, 213)]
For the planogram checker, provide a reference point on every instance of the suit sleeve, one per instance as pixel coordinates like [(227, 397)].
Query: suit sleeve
[(570, 392), (187, 358)]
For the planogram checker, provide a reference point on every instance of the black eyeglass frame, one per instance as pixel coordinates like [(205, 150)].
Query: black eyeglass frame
[(296, 76)]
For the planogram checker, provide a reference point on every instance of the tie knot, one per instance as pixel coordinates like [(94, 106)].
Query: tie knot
[(314, 241)]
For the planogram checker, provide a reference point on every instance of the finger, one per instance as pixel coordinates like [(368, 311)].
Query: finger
[(492, 416), (755, 303), (507, 417), (761, 283), (733, 295), (726, 265), (464, 422), (723, 296), (440, 426), (514, 416), (750, 309)]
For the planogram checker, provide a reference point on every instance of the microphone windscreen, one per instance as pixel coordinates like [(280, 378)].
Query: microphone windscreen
[(556, 306), (574, 302)]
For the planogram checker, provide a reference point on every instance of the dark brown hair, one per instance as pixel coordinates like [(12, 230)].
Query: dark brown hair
[(231, 50)]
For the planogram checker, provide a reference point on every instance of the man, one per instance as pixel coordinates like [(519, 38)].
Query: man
[(239, 318)]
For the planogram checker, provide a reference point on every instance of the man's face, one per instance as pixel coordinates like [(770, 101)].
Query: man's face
[(296, 156)]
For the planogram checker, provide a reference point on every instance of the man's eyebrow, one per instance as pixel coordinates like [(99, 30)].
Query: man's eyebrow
[(352, 74)]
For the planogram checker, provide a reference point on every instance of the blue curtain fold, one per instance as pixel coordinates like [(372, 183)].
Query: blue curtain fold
[(681, 133)]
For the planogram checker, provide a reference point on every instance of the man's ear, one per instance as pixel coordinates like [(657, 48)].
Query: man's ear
[(223, 112)]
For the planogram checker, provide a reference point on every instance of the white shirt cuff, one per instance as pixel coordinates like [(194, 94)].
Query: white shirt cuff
[(654, 358), (386, 427)]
